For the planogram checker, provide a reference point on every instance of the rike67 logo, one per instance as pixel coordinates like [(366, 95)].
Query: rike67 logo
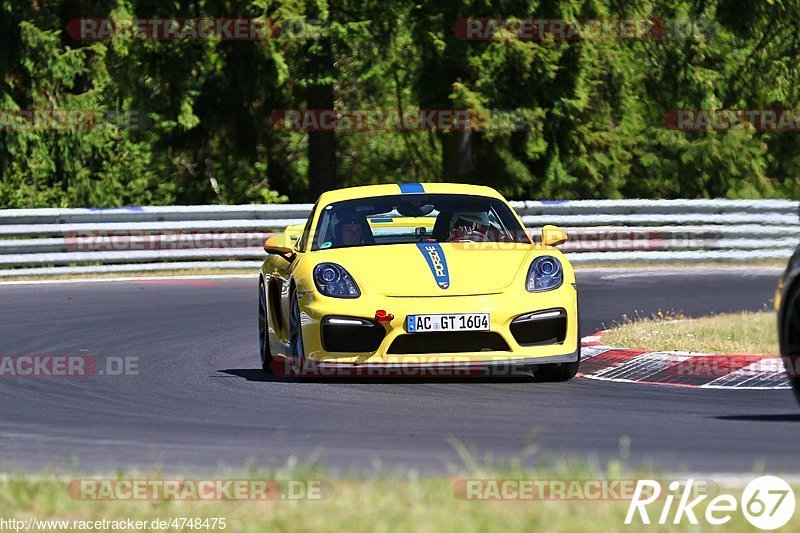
[(767, 502)]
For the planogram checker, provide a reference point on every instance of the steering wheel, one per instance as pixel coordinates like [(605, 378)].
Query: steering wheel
[(467, 234), (460, 234)]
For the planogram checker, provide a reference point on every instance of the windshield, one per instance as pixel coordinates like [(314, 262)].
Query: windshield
[(402, 219)]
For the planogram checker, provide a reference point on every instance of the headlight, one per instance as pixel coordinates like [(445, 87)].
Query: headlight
[(333, 280), (545, 274)]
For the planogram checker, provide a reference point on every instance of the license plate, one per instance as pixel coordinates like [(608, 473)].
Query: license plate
[(454, 322)]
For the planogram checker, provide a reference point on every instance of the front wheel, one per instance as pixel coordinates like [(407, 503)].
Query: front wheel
[(295, 329), (559, 371), (263, 328)]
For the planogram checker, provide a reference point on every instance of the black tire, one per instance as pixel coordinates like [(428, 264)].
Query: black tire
[(263, 328), (791, 337), (559, 371), (295, 329)]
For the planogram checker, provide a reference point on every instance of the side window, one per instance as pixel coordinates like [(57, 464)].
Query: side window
[(303, 240)]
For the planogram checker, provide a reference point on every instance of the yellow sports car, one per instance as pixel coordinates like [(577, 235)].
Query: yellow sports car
[(417, 280)]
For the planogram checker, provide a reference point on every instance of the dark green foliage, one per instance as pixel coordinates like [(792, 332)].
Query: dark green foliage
[(201, 110)]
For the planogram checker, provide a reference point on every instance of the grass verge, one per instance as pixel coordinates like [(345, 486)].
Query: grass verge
[(729, 333), (383, 503)]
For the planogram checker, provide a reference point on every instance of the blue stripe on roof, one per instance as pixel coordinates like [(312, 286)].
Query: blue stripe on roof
[(410, 188)]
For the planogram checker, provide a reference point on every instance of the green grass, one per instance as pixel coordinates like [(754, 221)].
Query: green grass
[(377, 503), (731, 333)]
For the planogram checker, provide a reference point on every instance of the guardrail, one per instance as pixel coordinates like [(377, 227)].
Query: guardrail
[(66, 241)]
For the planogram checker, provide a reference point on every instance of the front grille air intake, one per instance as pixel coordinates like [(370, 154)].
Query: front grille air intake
[(351, 334), (448, 342), (540, 328)]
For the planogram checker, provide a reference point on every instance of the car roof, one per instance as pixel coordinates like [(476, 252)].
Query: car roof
[(391, 189)]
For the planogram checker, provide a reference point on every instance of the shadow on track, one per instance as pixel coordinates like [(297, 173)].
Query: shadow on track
[(795, 417), (258, 375), (255, 374)]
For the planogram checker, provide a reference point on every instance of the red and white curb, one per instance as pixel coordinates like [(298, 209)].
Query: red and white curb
[(683, 369)]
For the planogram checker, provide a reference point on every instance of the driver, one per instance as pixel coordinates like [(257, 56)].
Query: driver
[(351, 233), (354, 230)]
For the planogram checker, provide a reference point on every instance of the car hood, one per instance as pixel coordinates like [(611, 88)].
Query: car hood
[(447, 269)]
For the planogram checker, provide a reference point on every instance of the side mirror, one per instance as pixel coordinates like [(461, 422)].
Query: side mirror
[(553, 235), (292, 233), (277, 245)]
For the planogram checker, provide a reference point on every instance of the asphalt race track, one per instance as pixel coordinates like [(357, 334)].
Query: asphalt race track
[(200, 400)]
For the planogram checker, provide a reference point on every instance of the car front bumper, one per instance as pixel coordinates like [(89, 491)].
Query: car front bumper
[(503, 309)]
